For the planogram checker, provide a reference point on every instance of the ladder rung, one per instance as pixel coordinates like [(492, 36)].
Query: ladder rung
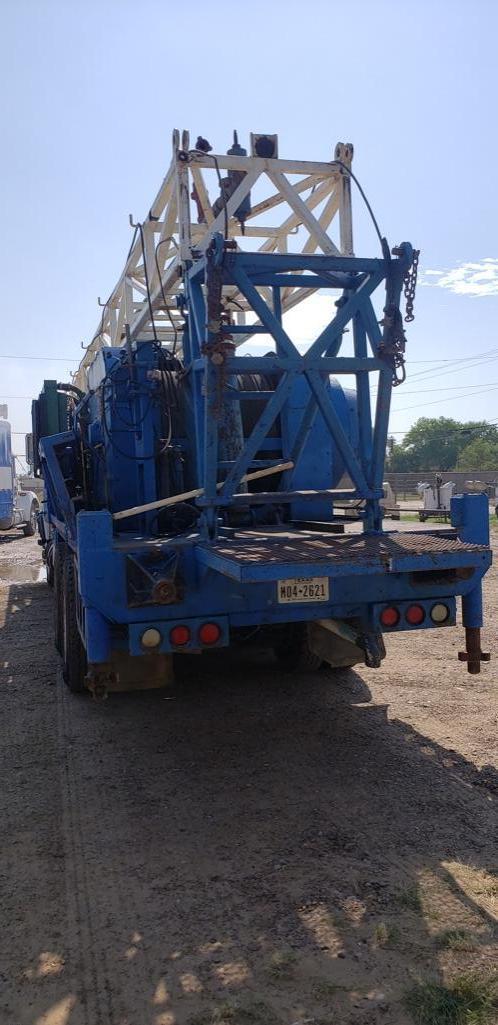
[(258, 464), (241, 396)]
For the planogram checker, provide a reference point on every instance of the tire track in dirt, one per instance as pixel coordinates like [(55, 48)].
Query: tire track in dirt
[(98, 898), (82, 907)]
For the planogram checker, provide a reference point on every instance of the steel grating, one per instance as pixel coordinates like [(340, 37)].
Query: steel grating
[(285, 548)]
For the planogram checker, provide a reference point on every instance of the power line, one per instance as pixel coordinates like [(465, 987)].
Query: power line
[(441, 360), (457, 430), (454, 387), (459, 364), (51, 359), (449, 398)]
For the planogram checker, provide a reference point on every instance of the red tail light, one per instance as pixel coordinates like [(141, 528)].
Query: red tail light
[(179, 636), (209, 633), (390, 616), (415, 615)]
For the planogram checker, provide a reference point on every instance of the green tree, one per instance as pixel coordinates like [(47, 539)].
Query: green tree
[(435, 443), (400, 461), (479, 454)]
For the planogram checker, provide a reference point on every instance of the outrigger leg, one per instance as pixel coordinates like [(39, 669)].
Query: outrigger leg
[(472, 621)]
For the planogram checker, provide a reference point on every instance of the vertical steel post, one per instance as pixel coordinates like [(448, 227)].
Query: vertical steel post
[(470, 515)]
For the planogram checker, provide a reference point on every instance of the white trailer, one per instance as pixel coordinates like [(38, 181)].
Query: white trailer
[(18, 508)]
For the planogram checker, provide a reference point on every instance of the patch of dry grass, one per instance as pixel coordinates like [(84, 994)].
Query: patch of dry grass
[(456, 939), (470, 1000)]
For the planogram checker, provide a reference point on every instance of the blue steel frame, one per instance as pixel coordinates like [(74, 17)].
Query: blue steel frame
[(212, 366), (214, 582)]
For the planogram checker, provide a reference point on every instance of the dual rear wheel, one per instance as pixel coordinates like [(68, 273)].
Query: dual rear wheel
[(67, 636), (294, 654)]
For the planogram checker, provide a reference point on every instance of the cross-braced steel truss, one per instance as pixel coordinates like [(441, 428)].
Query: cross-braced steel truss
[(308, 203)]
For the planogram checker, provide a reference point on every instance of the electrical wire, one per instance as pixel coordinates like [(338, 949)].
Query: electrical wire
[(460, 364), (166, 306), (165, 371), (449, 398), (456, 359), (365, 200), (455, 430), (52, 359), (112, 441), (455, 387)]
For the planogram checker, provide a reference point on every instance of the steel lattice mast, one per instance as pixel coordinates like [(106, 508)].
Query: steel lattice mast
[(305, 200)]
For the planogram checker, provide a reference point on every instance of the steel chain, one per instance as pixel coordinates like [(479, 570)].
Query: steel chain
[(410, 285)]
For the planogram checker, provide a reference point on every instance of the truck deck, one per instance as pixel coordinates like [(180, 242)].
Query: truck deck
[(252, 555)]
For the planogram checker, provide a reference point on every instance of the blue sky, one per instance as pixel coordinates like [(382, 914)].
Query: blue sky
[(91, 91)]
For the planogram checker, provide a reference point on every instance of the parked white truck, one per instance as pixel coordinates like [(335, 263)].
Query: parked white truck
[(18, 508)]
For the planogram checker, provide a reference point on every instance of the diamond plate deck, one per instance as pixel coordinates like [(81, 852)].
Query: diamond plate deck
[(284, 548), (253, 557)]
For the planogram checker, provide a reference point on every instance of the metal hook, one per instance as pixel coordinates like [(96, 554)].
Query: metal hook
[(132, 222)]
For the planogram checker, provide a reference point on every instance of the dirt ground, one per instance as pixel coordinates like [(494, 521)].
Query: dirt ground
[(248, 848)]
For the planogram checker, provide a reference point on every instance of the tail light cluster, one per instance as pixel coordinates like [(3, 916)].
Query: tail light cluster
[(192, 635), (414, 615), (206, 635)]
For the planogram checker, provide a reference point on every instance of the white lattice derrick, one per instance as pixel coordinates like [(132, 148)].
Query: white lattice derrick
[(138, 285), (236, 231), (276, 198), (294, 220), (165, 191), (325, 218), (203, 195), (227, 161), (170, 232)]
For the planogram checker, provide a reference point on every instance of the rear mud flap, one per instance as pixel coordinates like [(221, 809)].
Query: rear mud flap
[(129, 673), (338, 644)]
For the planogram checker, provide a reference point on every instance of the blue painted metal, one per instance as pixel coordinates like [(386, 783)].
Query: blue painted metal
[(139, 442), (470, 515)]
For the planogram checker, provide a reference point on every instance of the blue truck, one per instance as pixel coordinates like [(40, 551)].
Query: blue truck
[(198, 494)]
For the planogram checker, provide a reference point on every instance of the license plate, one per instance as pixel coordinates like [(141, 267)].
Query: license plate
[(303, 589)]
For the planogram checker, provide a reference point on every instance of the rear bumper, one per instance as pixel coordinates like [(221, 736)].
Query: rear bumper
[(234, 581)]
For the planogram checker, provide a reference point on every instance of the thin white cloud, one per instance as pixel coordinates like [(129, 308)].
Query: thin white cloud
[(472, 279)]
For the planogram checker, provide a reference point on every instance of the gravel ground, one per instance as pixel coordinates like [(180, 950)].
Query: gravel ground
[(247, 847)]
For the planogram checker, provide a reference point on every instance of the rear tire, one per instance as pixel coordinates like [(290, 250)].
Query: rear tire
[(60, 549), (29, 529), (294, 654), (48, 558), (74, 664)]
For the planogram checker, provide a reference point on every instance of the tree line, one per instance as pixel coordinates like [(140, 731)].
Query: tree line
[(440, 443)]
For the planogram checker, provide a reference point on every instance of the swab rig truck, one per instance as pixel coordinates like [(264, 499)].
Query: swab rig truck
[(193, 498)]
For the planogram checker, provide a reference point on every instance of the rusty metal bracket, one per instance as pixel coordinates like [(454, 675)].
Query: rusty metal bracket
[(473, 655)]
